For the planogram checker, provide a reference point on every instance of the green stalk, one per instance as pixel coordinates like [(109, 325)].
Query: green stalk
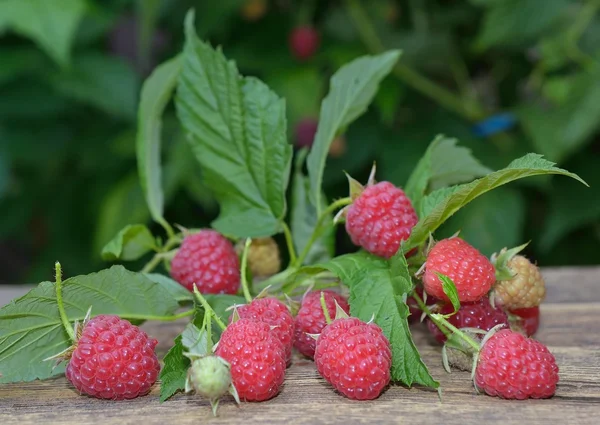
[(467, 109), (325, 310), (244, 269), (340, 203), (208, 309), (290, 243), (61, 307), (424, 307)]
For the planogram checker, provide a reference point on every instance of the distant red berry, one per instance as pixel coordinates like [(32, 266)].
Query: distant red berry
[(380, 218), (257, 359), (208, 260), (479, 314), (304, 42), (515, 367), (274, 313), (311, 320), (305, 132), (354, 357), (113, 359), (472, 273), (525, 320)]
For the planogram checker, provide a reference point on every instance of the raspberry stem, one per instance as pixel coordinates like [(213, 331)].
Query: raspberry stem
[(208, 309), (440, 320), (340, 203), (325, 310), (290, 243), (61, 307), (244, 269), (425, 309)]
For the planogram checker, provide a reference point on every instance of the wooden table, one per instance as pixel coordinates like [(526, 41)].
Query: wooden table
[(570, 318)]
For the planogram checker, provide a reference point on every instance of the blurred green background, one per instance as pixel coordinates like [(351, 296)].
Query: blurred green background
[(71, 72)]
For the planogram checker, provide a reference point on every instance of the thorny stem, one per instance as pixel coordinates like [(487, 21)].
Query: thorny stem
[(325, 310), (468, 109), (290, 243), (61, 307), (244, 268), (208, 309), (315, 234)]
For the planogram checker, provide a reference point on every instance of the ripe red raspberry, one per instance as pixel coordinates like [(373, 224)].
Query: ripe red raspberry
[(311, 320), (480, 315), (355, 357), (208, 260), (257, 359), (513, 366), (380, 218), (304, 42), (274, 313), (525, 320), (113, 359), (472, 273)]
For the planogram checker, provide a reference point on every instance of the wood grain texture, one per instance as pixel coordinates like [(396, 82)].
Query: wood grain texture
[(569, 327)]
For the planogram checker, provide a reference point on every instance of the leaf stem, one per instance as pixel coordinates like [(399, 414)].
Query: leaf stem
[(172, 318), (325, 310), (470, 110), (244, 269), (290, 243), (208, 309), (61, 307), (315, 234)]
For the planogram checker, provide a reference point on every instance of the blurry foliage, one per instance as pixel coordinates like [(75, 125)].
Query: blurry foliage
[(71, 72)]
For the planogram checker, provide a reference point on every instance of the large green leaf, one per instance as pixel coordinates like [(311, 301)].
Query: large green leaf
[(448, 201), (304, 220), (377, 288), (105, 82), (51, 24), (515, 22), (30, 326), (352, 89), (174, 372), (177, 291), (237, 127), (156, 93), (444, 164)]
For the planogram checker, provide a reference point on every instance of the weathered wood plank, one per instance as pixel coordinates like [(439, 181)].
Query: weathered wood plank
[(568, 327)]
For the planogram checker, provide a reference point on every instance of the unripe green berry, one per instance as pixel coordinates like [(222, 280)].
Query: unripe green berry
[(210, 376)]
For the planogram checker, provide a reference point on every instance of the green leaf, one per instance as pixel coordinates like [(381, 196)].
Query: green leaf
[(156, 93), (352, 89), (131, 243), (30, 326), (559, 131), (516, 22), (237, 128), (450, 290), (377, 288), (491, 222), (105, 82), (444, 164), (51, 24), (177, 291), (174, 371), (194, 340), (450, 200), (304, 219)]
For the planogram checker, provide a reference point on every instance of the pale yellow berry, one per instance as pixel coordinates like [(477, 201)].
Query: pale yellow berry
[(526, 289)]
